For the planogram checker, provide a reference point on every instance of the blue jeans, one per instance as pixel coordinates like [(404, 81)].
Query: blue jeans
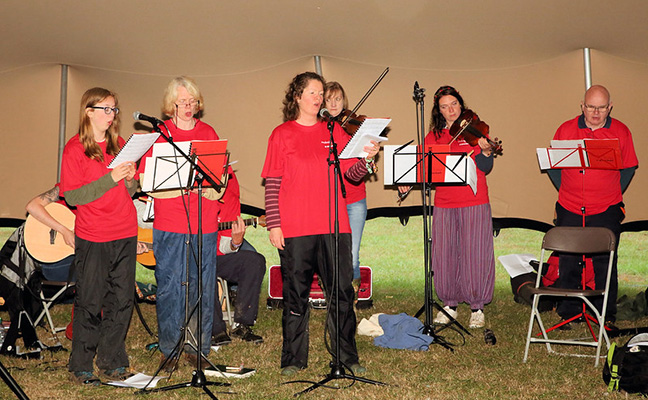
[(357, 216), (170, 272), (59, 270)]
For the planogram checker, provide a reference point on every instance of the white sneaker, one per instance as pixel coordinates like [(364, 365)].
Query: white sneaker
[(477, 319), (441, 317)]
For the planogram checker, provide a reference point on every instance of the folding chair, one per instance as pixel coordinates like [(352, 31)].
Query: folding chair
[(223, 297), (574, 240), (48, 302)]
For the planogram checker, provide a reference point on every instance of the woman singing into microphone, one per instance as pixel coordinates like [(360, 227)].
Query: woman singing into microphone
[(300, 218)]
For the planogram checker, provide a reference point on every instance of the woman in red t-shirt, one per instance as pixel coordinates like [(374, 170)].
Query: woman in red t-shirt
[(105, 242), (300, 217), (463, 260)]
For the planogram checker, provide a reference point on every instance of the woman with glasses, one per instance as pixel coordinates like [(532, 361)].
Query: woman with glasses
[(176, 224), (105, 239), (299, 216)]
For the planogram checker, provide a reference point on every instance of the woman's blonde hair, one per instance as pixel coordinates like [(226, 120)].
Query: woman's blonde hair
[(171, 95), (334, 87), (91, 98)]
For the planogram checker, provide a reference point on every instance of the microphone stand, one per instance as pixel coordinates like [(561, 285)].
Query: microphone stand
[(426, 196), (198, 379), (337, 368)]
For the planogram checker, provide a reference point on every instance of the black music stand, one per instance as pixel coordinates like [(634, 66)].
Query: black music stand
[(337, 367), (181, 159), (424, 163), (11, 383)]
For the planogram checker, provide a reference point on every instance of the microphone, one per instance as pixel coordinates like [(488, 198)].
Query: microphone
[(138, 116), (326, 115)]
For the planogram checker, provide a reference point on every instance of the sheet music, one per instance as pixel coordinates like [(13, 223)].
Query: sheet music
[(404, 172), (167, 169), (369, 130), (461, 163), (135, 147)]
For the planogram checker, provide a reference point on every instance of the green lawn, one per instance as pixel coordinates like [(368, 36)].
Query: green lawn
[(474, 370)]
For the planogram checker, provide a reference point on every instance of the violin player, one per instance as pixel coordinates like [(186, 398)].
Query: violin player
[(356, 200), (463, 259)]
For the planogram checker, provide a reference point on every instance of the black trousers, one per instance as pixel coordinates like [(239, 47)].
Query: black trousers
[(246, 269), (570, 267), (302, 257), (105, 283)]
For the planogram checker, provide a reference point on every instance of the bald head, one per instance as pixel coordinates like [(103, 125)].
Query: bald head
[(597, 91), (596, 106)]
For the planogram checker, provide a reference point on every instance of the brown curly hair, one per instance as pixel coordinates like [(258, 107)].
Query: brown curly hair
[(294, 91)]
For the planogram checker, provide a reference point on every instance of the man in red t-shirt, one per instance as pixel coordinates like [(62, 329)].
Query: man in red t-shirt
[(592, 197), (238, 263)]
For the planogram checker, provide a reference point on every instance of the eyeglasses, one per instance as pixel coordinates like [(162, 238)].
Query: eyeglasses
[(107, 110), (591, 108), (184, 103)]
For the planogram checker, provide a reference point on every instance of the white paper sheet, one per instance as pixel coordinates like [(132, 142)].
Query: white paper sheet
[(171, 170), (517, 264), (135, 147), (368, 131), (138, 381)]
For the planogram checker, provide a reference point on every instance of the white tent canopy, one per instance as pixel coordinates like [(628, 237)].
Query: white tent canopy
[(519, 65)]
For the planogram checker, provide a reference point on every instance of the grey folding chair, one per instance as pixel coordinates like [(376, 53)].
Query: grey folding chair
[(574, 240), (223, 293)]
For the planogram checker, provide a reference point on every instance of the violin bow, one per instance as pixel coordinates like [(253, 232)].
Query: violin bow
[(366, 96)]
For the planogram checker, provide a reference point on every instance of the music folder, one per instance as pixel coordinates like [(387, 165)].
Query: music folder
[(167, 169), (581, 154)]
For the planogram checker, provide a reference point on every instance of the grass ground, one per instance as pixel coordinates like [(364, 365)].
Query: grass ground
[(474, 370)]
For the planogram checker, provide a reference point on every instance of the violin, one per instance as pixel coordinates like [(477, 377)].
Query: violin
[(470, 128), (350, 121)]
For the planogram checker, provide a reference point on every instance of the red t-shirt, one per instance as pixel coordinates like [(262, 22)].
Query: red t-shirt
[(170, 214), (355, 191), (230, 207), (110, 217), (298, 154), (454, 196), (596, 189)]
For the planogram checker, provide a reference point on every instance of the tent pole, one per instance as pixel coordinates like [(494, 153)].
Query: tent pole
[(318, 65), (62, 118), (588, 67)]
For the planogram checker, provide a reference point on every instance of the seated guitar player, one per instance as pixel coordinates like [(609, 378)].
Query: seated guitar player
[(239, 264)]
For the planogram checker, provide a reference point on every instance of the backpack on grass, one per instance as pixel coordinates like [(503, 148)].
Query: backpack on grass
[(626, 368)]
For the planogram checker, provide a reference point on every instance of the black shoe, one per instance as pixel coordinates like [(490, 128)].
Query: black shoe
[(245, 333), (609, 326), (221, 339)]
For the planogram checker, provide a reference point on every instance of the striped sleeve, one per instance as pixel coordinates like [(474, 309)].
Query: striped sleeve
[(273, 219)]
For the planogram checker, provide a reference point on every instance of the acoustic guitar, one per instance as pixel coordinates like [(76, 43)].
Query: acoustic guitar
[(146, 236), (45, 244)]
